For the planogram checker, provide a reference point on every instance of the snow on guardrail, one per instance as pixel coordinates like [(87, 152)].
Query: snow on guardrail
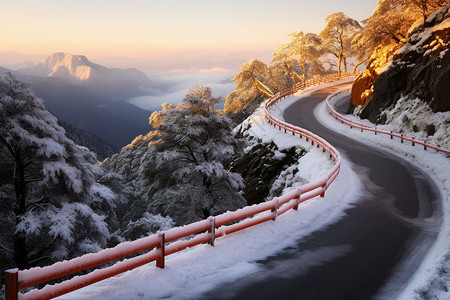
[(363, 127)]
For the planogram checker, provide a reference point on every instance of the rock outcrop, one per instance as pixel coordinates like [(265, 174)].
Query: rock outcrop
[(362, 88), (420, 69), (261, 166)]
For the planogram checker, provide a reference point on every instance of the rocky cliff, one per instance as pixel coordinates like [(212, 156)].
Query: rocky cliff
[(419, 70)]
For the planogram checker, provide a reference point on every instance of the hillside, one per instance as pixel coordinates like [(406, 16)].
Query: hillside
[(411, 90), (96, 144)]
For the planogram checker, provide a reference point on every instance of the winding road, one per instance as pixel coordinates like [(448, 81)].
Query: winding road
[(369, 254)]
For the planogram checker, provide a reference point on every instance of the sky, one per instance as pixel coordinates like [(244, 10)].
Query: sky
[(162, 34)]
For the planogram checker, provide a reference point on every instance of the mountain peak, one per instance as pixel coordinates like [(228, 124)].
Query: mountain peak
[(65, 66), (72, 68), (66, 58), (79, 70)]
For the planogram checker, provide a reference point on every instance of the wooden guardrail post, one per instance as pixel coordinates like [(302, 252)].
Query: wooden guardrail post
[(413, 142), (275, 210), (212, 230), (323, 186), (161, 247), (297, 200), (11, 284)]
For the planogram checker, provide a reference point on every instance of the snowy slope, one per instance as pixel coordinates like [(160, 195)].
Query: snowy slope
[(194, 271)]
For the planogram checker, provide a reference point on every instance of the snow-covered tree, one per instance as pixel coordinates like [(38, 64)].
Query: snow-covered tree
[(288, 64), (304, 48), (250, 84), (254, 73), (426, 7), (180, 170), (360, 50), (279, 78), (387, 28), (50, 201), (337, 35), (389, 24), (124, 173), (185, 166)]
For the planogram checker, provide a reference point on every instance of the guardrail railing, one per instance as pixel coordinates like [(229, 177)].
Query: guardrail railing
[(157, 246), (400, 136)]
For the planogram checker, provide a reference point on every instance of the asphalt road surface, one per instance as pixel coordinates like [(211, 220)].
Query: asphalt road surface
[(369, 254)]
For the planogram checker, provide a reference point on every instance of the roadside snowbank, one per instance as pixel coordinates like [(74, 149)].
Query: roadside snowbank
[(194, 271), (415, 119), (432, 279)]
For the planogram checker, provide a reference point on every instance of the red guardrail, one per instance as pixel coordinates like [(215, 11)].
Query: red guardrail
[(168, 242), (363, 127)]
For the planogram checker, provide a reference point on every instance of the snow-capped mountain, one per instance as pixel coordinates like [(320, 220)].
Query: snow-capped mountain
[(65, 66), (77, 69)]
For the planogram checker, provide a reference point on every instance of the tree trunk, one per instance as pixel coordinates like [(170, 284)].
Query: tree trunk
[(344, 60), (20, 187), (20, 250), (293, 74), (266, 93), (266, 87), (302, 66), (358, 64), (340, 56)]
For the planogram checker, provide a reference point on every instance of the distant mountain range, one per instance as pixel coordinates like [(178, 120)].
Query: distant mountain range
[(89, 96)]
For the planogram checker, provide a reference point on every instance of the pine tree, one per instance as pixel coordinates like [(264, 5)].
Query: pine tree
[(52, 207), (185, 168), (178, 172)]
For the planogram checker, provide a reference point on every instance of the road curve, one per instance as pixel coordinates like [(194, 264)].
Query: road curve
[(370, 253)]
